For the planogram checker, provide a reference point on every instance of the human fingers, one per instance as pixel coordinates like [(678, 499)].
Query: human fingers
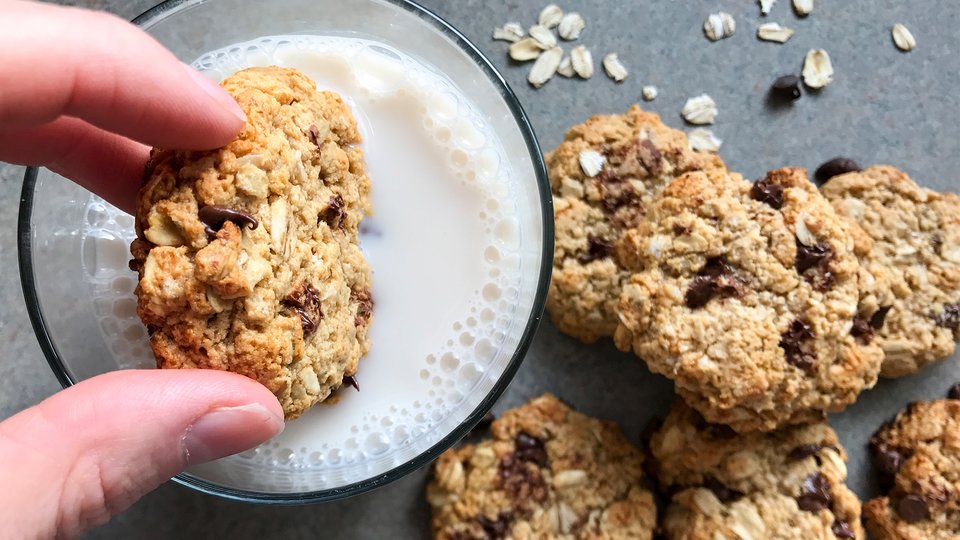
[(93, 449)]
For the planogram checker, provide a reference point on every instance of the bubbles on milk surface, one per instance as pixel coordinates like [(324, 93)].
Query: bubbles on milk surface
[(444, 199)]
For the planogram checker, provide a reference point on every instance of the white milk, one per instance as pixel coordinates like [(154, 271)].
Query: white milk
[(444, 247)]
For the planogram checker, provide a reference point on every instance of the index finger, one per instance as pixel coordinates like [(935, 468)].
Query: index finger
[(74, 62)]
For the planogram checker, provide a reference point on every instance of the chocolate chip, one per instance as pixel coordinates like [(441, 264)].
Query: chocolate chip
[(333, 213), (879, 317), (530, 448), (936, 242), (797, 347), (520, 481), (214, 216), (835, 167), (649, 156), (716, 278), (804, 451), (817, 255), (786, 87), (680, 230), (888, 460), (767, 192), (305, 301), (364, 302), (615, 191), (496, 529), (862, 330), (842, 529), (950, 318), (954, 392), (597, 248), (352, 381), (815, 493), (314, 135), (722, 492), (720, 431), (913, 509)]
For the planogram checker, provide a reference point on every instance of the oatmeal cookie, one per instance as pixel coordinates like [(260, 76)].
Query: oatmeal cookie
[(784, 484), (914, 235), (603, 175), (548, 473), (745, 295), (918, 458), (248, 256)]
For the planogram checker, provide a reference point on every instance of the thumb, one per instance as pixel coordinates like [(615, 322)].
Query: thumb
[(92, 450)]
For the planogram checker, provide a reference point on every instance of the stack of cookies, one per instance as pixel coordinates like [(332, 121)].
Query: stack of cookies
[(769, 304)]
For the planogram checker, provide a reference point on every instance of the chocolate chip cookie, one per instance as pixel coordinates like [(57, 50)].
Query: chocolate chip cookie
[(784, 484), (917, 456), (914, 235), (548, 472), (745, 295), (248, 256), (603, 175)]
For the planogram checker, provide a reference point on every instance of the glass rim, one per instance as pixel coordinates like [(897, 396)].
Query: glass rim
[(35, 313)]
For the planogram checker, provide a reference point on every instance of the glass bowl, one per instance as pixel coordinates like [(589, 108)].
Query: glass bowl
[(73, 248)]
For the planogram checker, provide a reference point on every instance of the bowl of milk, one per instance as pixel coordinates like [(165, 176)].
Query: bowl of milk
[(460, 241)]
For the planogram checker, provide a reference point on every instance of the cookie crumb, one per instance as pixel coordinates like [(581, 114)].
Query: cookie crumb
[(650, 93)]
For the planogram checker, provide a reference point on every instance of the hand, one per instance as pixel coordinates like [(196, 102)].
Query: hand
[(83, 94)]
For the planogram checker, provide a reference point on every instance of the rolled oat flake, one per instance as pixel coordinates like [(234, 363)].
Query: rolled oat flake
[(903, 38)]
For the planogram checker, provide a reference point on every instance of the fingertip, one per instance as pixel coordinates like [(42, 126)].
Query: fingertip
[(230, 116)]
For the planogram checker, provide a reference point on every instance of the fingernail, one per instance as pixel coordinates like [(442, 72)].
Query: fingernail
[(229, 430), (216, 92)]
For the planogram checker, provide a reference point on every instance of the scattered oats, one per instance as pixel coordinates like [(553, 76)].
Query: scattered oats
[(582, 62), (649, 93), (544, 36), (903, 38), (774, 32), (700, 110), (614, 68), (817, 69), (550, 16), (591, 162), (525, 50), (719, 26), (803, 7), (545, 67), (703, 140), (766, 5), (566, 68), (511, 32), (571, 25)]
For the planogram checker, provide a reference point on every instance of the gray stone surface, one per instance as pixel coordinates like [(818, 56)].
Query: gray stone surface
[(885, 106)]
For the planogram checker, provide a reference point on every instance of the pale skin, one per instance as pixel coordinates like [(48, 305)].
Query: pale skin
[(72, 100)]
